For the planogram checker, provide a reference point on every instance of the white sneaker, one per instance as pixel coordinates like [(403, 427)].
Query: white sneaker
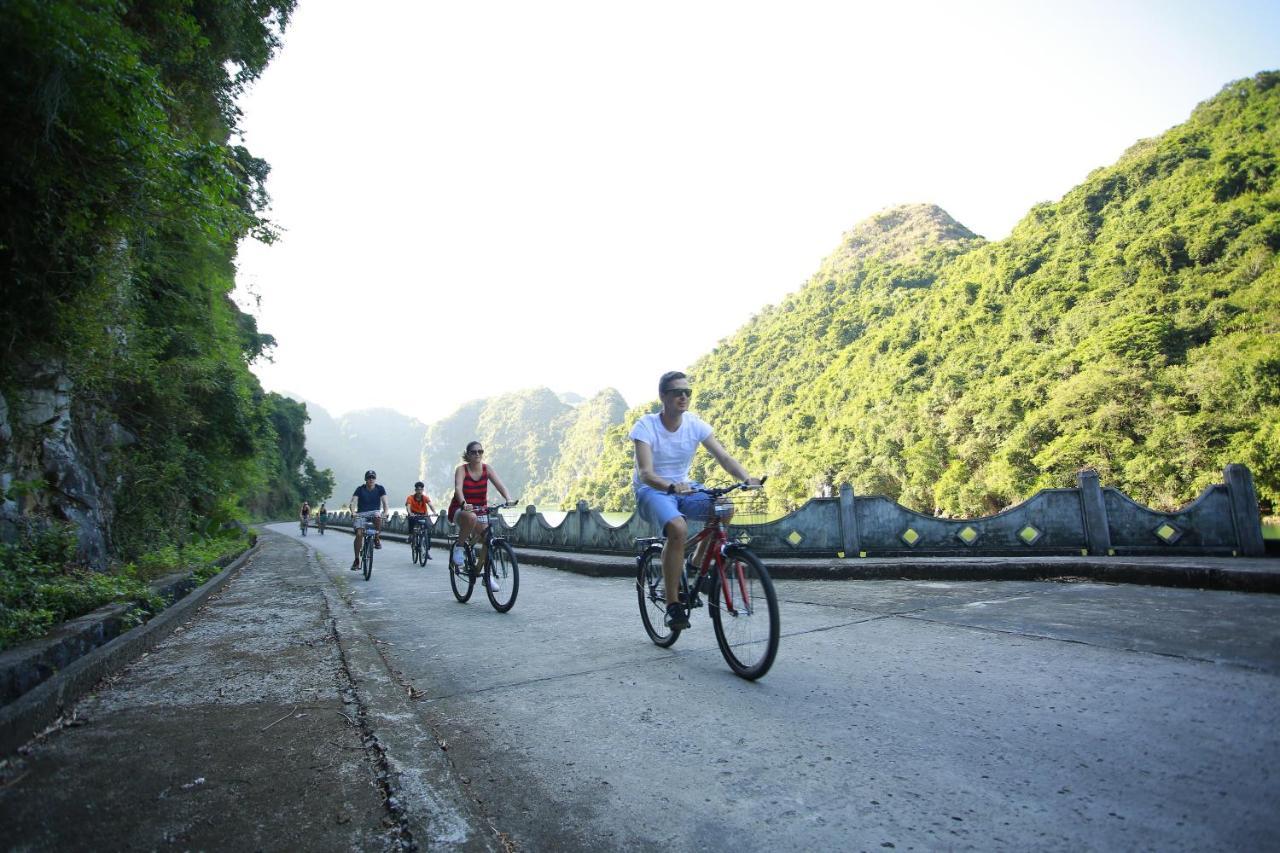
[(459, 556), (493, 584)]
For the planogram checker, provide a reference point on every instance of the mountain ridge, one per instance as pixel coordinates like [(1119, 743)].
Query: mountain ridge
[(1109, 330)]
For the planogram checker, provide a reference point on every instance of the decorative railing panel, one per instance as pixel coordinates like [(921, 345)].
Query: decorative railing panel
[(1084, 520), (1204, 524), (1048, 523)]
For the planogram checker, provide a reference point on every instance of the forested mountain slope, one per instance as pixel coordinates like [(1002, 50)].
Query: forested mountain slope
[(127, 406), (536, 441), (1130, 327), (580, 442), (382, 439)]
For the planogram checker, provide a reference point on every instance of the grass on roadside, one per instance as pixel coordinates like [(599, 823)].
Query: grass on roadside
[(41, 584)]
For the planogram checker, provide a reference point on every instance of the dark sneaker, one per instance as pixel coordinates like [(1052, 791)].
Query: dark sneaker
[(355, 565), (677, 618), (377, 543)]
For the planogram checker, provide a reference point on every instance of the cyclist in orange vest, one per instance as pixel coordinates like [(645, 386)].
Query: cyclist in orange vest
[(416, 506)]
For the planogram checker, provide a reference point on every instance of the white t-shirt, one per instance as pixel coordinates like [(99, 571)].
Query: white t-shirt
[(672, 451)]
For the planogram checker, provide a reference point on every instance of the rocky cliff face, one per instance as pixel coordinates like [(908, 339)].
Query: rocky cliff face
[(55, 456)]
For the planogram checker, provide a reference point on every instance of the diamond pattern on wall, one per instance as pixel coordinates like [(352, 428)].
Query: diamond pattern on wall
[(1030, 534), (1168, 533), (910, 537), (968, 535), (794, 538), (742, 538)]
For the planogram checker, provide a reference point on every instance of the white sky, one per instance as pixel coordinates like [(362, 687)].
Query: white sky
[(592, 193)]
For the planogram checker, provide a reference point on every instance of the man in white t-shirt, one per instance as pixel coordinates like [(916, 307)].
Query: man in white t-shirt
[(665, 443)]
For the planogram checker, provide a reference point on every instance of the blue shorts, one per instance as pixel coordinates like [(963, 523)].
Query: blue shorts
[(659, 508)]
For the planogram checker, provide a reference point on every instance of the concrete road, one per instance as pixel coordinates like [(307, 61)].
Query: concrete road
[(899, 714)]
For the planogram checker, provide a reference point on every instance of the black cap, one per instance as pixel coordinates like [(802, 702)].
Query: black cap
[(371, 473)]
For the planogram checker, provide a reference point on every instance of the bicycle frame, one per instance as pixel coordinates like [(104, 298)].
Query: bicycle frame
[(717, 545), (489, 536), (363, 524)]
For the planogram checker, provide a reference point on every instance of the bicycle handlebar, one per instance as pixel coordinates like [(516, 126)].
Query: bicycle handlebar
[(718, 492)]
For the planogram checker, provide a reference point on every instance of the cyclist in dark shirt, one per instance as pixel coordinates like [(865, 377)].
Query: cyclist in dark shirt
[(368, 501)]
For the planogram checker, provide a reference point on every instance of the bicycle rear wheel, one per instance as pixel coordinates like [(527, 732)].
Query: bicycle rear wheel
[(744, 612), (366, 556), (460, 578), (652, 596), (501, 566)]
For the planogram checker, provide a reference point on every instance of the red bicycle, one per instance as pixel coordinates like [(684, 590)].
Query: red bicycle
[(739, 593)]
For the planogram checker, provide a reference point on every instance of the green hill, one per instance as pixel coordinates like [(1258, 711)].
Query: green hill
[(538, 443), (581, 432), (382, 439), (1130, 327)]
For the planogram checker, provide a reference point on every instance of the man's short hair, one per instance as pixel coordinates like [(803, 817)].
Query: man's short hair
[(668, 377)]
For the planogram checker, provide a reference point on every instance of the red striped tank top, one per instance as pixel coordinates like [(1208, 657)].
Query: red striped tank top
[(476, 492)]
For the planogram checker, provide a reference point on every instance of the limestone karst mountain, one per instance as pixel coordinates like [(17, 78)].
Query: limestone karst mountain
[(1132, 327)]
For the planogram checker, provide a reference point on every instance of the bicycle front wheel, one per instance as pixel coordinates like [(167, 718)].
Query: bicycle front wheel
[(424, 549), (744, 612), (652, 595), (502, 571), (460, 577), (366, 557), (415, 547)]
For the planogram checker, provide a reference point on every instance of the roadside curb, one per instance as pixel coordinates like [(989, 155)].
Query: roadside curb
[(28, 715), (1105, 570), (1232, 574), (423, 786)]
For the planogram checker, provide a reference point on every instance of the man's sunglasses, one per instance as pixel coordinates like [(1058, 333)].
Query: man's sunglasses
[(680, 392)]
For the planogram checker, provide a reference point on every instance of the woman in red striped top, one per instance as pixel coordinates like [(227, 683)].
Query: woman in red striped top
[(471, 497)]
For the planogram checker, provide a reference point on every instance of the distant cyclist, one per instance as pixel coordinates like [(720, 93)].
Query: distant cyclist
[(322, 517), (468, 509), (416, 507), (304, 514), (665, 443), (368, 501)]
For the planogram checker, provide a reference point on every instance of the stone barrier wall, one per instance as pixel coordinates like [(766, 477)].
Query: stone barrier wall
[(1086, 520)]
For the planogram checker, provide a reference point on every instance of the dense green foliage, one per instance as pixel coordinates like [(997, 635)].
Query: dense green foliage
[(121, 205), (1132, 327), (40, 586), (293, 475)]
